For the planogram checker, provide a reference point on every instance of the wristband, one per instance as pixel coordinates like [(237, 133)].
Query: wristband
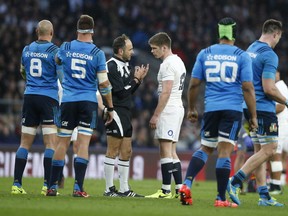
[(110, 109), (138, 80)]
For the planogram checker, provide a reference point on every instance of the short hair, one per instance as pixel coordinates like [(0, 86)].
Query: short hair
[(119, 43), (85, 24), (227, 28), (271, 26), (44, 27), (160, 39)]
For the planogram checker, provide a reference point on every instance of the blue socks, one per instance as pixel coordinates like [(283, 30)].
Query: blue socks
[(197, 162)]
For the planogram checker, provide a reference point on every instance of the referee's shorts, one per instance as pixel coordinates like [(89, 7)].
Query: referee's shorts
[(121, 125)]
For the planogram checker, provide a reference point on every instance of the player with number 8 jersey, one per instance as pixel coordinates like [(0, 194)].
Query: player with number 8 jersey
[(40, 105)]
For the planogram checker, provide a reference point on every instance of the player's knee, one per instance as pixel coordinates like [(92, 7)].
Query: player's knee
[(207, 150), (126, 154), (112, 152)]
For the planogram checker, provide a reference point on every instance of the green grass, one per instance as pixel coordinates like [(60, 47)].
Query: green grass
[(203, 198)]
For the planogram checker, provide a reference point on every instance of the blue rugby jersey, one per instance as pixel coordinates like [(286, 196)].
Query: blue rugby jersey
[(224, 67), (81, 61), (264, 65), (40, 68)]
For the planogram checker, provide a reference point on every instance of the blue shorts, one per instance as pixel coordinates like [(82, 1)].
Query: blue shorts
[(79, 113), (222, 125), (39, 109)]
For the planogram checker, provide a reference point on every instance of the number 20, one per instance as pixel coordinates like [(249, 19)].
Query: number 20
[(220, 68)]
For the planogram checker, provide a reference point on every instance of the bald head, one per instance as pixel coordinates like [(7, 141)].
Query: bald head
[(44, 30)]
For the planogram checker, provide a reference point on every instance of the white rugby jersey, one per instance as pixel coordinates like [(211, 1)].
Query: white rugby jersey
[(282, 116), (173, 68)]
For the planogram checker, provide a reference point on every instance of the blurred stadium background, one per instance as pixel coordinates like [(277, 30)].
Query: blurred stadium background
[(190, 23)]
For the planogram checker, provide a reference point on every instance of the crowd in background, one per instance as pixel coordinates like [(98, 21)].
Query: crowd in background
[(190, 23)]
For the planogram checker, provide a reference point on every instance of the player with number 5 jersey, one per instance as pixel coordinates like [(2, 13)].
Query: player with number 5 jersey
[(227, 71), (84, 68)]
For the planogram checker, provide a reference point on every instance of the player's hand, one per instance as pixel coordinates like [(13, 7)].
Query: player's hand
[(107, 116), (253, 124), (145, 71), (141, 71), (153, 122), (192, 115)]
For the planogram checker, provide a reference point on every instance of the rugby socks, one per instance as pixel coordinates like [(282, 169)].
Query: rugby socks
[(177, 174), (47, 163), (20, 163), (263, 192), (109, 172), (80, 167), (223, 168), (166, 170), (123, 171), (238, 178), (57, 169), (197, 162)]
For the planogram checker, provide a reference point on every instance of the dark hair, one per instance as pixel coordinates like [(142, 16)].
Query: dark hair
[(85, 22), (119, 43), (160, 39), (271, 26), (227, 28)]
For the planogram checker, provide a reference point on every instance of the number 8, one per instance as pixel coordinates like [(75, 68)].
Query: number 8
[(36, 67)]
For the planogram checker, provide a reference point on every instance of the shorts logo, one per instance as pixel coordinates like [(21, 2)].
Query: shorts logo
[(206, 133), (64, 123), (170, 133), (273, 127)]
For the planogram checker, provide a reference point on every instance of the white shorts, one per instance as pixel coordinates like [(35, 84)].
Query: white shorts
[(169, 123), (282, 139)]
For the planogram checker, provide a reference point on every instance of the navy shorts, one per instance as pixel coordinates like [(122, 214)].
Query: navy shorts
[(79, 113), (222, 125), (267, 123), (39, 109), (121, 125)]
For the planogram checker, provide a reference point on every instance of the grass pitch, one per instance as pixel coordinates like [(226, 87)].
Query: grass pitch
[(203, 198)]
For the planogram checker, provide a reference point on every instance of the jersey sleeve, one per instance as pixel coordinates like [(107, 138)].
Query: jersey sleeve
[(270, 60), (60, 52), (114, 77), (197, 71), (101, 61), (168, 72)]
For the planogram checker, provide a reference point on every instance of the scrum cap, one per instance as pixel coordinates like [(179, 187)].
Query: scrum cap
[(227, 29)]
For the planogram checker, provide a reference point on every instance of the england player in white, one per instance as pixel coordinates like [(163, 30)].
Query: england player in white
[(169, 113), (277, 163)]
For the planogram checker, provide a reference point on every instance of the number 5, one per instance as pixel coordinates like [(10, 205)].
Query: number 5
[(80, 67)]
